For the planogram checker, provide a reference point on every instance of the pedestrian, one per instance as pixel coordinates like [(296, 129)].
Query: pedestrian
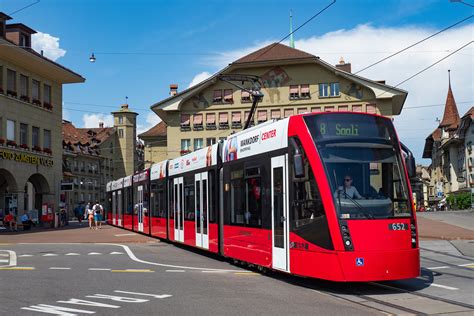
[(10, 221), (26, 221), (98, 214), (89, 214)]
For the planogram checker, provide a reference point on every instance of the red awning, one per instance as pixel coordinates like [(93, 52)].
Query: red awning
[(262, 116), (236, 117), (357, 108), (316, 110), (197, 119), (305, 88), (288, 112), (185, 119), (302, 110), (276, 114), (293, 89), (223, 118), (211, 118)]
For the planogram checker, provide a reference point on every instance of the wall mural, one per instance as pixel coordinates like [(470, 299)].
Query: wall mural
[(199, 101), (272, 80)]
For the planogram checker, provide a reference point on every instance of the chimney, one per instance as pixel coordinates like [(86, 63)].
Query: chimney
[(20, 34), (101, 124), (344, 66), (3, 21), (173, 89)]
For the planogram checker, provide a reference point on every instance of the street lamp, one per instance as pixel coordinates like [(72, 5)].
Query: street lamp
[(92, 58)]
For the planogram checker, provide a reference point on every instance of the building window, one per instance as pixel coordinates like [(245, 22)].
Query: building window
[(262, 116), (245, 97), (334, 91), (302, 110), (198, 143), (371, 108), (211, 121), (343, 108), (305, 94), (329, 109), (316, 109), (223, 120), (197, 122), (35, 137), (185, 146), (10, 130), (35, 91), (120, 119), (11, 82), (247, 116), (217, 97), (276, 114), (24, 88), (210, 141), (323, 90), (120, 133), (23, 134), (228, 96), (47, 139), (236, 119), (47, 94), (288, 112), (294, 92), (357, 108), (185, 122), (221, 139)]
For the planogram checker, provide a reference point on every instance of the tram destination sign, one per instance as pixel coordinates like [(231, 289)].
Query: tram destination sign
[(26, 158)]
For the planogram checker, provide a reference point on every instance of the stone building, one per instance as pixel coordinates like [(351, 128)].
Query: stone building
[(449, 147), (30, 123), (154, 144), (292, 82), (94, 156)]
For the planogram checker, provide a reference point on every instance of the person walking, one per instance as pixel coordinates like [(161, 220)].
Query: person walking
[(89, 214), (98, 212)]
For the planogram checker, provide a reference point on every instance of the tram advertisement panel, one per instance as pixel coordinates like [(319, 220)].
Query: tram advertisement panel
[(202, 158)]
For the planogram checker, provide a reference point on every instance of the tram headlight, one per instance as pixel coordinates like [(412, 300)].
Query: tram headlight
[(346, 236), (413, 234)]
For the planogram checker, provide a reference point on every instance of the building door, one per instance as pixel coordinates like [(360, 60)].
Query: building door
[(114, 207), (119, 208), (279, 188), (178, 209), (202, 209), (140, 208)]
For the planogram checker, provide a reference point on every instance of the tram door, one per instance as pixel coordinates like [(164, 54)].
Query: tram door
[(114, 207), (119, 208), (202, 207), (140, 208), (178, 203), (280, 254)]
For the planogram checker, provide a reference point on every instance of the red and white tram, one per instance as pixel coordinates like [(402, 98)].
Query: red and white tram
[(320, 195)]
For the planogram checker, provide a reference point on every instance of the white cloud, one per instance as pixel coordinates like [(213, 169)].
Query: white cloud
[(48, 44), (365, 44), (151, 120), (199, 78), (93, 120)]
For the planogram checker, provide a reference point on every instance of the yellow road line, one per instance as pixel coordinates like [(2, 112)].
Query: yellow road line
[(246, 273), (18, 268), (470, 266), (133, 270)]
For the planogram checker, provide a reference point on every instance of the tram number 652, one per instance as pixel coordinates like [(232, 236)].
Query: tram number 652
[(397, 226)]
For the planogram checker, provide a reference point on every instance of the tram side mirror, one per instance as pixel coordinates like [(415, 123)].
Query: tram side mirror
[(298, 166), (411, 166)]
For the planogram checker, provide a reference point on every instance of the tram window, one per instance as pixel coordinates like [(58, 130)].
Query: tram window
[(237, 195), (158, 199), (128, 200), (189, 197), (171, 200), (212, 196), (307, 216)]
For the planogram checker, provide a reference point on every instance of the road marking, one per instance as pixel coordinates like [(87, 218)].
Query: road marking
[(4, 255), (25, 256), (59, 268), (175, 271), (133, 270), (50, 255), (17, 268), (130, 234), (4, 260), (437, 268), (205, 271), (246, 273), (99, 269), (12, 258), (134, 258), (116, 253), (469, 265), (94, 253), (58, 310), (72, 254), (145, 294), (444, 286)]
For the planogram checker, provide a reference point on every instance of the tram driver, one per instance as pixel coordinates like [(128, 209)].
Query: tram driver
[(347, 190)]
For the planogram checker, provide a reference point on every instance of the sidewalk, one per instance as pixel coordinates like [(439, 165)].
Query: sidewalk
[(446, 225), (74, 233)]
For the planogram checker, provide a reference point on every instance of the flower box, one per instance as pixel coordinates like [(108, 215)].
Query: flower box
[(12, 93), (11, 143), (37, 148), (184, 152), (47, 150), (2, 141), (24, 146), (36, 102), (25, 98), (47, 106)]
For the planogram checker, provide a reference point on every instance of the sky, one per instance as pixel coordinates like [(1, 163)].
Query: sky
[(142, 46)]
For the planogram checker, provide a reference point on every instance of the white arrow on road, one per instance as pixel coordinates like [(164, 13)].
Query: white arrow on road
[(11, 258)]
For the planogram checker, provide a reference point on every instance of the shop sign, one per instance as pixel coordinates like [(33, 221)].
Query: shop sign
[(25, 158)]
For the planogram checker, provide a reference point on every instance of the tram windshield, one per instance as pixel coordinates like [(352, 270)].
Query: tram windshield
[(363, 163)]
